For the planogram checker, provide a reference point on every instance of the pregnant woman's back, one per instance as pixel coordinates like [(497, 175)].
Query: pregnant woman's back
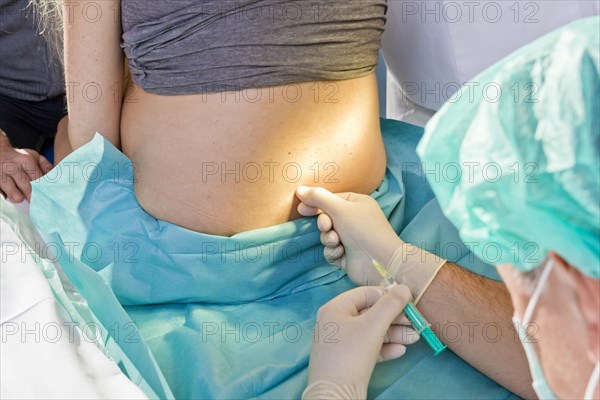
[(235, 104)]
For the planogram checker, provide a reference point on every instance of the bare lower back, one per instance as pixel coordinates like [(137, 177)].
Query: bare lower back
[(229, 162)]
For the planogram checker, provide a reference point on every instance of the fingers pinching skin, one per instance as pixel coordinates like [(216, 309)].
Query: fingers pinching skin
[(308, 211), (333, 254), (319, 198), (338, 262), (345, 214), (330, 239), (324, 222)]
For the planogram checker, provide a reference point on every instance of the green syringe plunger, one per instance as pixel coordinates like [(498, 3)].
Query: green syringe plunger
[(416, 319)]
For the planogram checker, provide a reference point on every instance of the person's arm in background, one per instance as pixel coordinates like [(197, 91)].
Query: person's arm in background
[(471, 314), (93, 59), (18, 167), (62, 145)]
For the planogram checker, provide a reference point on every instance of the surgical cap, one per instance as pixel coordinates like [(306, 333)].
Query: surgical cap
[(513, 157)]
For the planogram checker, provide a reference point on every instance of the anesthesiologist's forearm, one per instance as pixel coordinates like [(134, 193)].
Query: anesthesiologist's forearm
[(473, 316)]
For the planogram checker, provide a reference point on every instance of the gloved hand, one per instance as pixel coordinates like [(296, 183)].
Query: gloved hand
[(354, 231), (353, 332)]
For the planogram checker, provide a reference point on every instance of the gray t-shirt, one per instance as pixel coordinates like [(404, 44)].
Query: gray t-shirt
[(177, 47), (28, 69)]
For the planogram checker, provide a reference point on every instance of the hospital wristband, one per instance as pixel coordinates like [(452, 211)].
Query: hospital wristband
[(415, 268)]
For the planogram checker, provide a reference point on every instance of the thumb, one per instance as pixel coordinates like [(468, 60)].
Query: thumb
[(319, 198), (389, 306)]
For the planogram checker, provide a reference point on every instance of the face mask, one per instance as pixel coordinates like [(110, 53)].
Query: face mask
[(593, 383), (540, 384)]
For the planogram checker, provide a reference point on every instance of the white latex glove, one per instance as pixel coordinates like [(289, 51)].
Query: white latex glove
[(354, 331), (354, 231)]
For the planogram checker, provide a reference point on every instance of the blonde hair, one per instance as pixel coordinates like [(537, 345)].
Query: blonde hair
[(50, 19)]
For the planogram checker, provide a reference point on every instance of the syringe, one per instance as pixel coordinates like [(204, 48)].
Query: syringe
[(417, 320)]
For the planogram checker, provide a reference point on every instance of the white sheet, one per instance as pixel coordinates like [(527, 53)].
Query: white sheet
[(42, 353)]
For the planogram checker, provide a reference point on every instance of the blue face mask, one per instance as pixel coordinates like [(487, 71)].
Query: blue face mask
[(540, 384)]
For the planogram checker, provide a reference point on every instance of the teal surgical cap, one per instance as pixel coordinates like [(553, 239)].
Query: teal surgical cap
[(513, 157)]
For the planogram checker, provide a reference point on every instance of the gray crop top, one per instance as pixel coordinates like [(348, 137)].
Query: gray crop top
[(199, 46)]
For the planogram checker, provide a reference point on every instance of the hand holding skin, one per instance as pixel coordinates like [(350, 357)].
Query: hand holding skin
[(354, 230), (354, 331), (18, 167)]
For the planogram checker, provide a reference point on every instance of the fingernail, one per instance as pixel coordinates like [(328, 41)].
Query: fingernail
[(402, 351), (302, 190), (411, 336)]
